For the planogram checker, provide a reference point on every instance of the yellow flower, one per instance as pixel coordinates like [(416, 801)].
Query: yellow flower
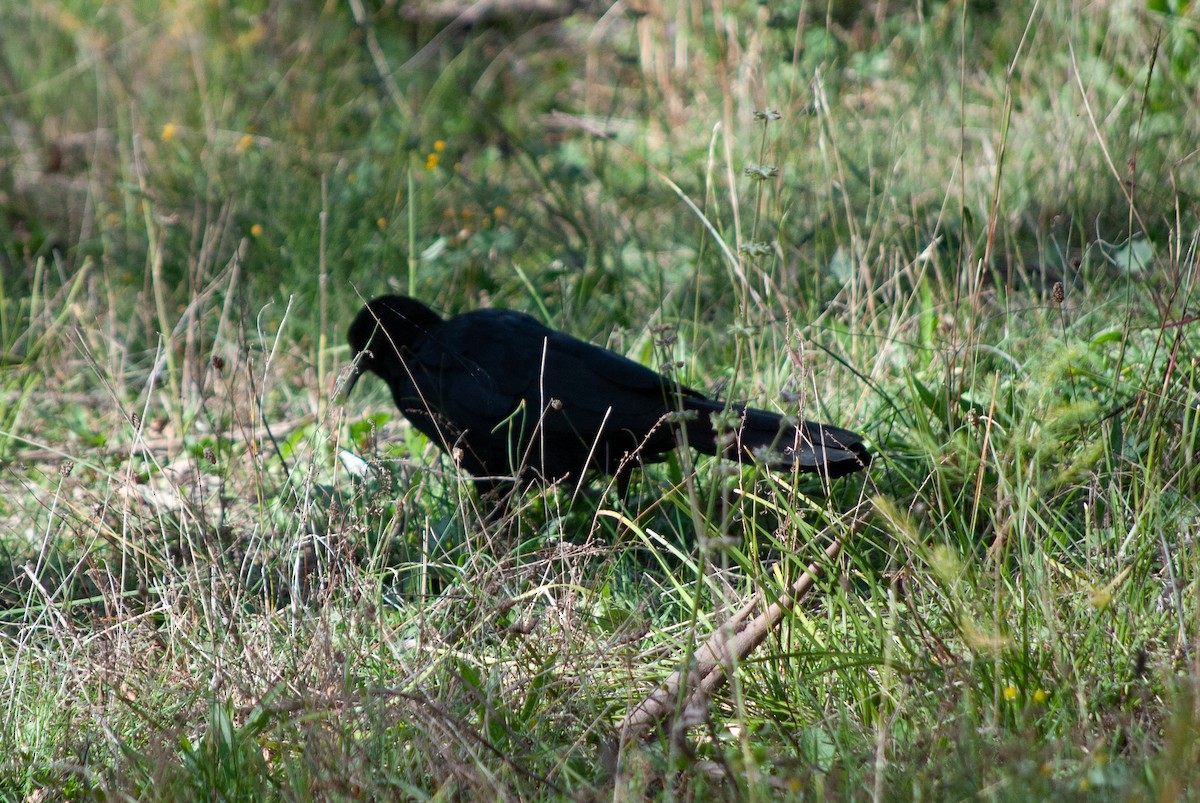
[(168, 132), (499, 212), (380, 222), (1040, 696), (431, 161), (439, 146), (256, 230), (1010, 692), (251, 37), (244, 143)]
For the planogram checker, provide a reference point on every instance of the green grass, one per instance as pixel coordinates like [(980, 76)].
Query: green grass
[(198, 599)]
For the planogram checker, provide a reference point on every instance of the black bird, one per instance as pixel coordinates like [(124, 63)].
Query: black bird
[(508, 397)]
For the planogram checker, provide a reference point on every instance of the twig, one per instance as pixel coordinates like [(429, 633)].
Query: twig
[(730, 645)]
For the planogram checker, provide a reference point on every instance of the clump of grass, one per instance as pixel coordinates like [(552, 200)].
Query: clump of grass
[(966, 233)]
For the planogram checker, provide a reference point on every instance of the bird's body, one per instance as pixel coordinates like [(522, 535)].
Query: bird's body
[(511, 398)]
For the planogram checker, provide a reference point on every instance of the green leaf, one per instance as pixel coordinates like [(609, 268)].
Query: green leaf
[(1134, 257)]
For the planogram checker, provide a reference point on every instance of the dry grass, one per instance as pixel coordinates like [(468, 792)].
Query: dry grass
[(198, 597)]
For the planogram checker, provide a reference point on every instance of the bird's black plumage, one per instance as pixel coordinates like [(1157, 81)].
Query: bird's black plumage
[(510, 397)]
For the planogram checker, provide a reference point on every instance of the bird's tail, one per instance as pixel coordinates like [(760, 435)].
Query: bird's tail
[(747, 434)]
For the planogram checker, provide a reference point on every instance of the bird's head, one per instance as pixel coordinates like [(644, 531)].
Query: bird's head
[(381, 333)]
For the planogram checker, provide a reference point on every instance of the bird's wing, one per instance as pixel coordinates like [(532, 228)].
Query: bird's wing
[(495, 361)]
